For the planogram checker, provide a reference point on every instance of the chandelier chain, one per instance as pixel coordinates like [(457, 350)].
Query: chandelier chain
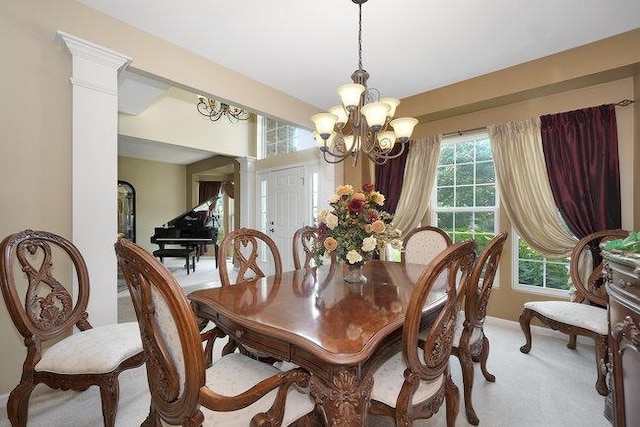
[(360, 36)]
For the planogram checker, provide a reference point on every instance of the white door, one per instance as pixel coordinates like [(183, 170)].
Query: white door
[(287, 206)]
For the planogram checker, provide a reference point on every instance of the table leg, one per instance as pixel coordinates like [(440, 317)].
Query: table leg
[(344, 402)]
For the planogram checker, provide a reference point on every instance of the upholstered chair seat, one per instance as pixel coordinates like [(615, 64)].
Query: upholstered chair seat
[(586, 313)]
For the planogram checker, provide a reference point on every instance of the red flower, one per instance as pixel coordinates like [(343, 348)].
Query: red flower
[(372, 215), (322, 230), (356, 206), (367, 187)]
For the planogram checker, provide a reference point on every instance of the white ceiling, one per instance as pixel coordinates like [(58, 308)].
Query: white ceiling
[(307, 48)]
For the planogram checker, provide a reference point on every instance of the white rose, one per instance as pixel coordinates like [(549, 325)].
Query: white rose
[(331, 220), (396, 244), (334, 198), (322, 215), (369, 244), (353, 257)]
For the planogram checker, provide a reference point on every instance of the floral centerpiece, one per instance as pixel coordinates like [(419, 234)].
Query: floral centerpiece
[(354, 228)]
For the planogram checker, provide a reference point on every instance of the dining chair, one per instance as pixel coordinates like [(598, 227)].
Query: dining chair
[(586, 313), (37, 269), (422, 244), (244, 245), (304, 241), (235, 391), (413, 383), (470, 344)]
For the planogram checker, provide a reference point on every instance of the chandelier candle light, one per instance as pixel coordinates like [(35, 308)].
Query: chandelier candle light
[(213, 109), (369, 117), (354, 229)]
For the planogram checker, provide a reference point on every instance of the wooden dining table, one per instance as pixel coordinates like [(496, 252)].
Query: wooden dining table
[(339, 331)]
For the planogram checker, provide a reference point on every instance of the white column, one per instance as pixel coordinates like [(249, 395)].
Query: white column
[(248, 194), (95, 169)]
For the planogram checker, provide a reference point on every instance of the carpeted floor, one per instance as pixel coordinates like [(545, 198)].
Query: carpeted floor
[(551, 386)]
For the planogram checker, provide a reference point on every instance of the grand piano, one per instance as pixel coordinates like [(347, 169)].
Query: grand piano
[(190, 231)]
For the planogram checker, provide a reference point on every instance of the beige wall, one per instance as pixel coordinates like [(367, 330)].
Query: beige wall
[(160, 194)]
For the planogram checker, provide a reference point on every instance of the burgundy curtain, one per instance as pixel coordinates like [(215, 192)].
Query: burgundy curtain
[(581, 153), (228, 189), (389, 178)]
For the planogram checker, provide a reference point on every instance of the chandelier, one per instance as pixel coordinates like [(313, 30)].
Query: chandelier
[(369, 116), (215, 109)]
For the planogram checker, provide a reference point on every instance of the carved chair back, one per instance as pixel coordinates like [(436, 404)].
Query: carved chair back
[(304, 245), (586, 267), (47, 310), (422, 244), (431, 358), (170, 334), (245, 245), (481, 282)]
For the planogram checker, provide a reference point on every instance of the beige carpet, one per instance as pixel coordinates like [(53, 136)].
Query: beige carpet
[(551, 386)]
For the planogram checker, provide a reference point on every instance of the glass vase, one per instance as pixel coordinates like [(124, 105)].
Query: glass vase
[(354, 273)]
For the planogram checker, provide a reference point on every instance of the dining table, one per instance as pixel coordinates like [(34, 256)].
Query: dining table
[(339, 331)]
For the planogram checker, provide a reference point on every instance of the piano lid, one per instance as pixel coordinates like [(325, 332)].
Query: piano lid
[(196, 216)]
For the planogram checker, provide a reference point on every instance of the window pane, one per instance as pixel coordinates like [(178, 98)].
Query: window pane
[(445, 197), (557, 275), (464, 196), (446, 154), (463, 220), (485, 221), (464, 152), (525, 252), (530, 273), (483, 150), (485, 195), (445, 175), (464, 174), (445, 221), (485, 173)]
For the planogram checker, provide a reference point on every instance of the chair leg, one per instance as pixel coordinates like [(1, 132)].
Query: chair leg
[(602, 358), (110, 393), (452, 399), (572, 341), (484, 355), (152, 420), (466, 365), (525, 324), (18, 403)]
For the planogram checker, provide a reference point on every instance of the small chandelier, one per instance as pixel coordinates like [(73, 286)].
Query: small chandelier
[(215, 109), (369, 117)]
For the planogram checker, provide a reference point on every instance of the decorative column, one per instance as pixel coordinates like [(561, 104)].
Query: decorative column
[(95, 169), (247, 186)]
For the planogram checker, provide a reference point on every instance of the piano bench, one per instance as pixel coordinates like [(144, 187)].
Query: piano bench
[(188, 254)]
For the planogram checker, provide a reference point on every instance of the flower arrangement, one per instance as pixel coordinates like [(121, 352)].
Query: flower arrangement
[(354, 228)]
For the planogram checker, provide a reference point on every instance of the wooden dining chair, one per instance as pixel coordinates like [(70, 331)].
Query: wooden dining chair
[(244, 245), (304, 241), (586, 314), (236, 390), (37, 269), (470, 344), (413, 383), (422, 244)]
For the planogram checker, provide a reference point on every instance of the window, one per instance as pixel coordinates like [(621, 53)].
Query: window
[(536, 272), (465, 196), (279, 138)]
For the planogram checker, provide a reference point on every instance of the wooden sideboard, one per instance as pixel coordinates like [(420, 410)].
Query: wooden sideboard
[(622, 277)]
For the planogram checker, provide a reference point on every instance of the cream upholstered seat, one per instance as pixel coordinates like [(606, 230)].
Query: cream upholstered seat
[(413, 383), (587, 315), (470, 342), (422, 244), (235, 391), (92, 356)]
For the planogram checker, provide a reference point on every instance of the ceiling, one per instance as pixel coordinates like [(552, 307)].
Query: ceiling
[(309, 48)]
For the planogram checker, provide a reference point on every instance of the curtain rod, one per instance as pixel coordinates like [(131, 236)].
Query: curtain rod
[(462, 132), (624, 102)]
